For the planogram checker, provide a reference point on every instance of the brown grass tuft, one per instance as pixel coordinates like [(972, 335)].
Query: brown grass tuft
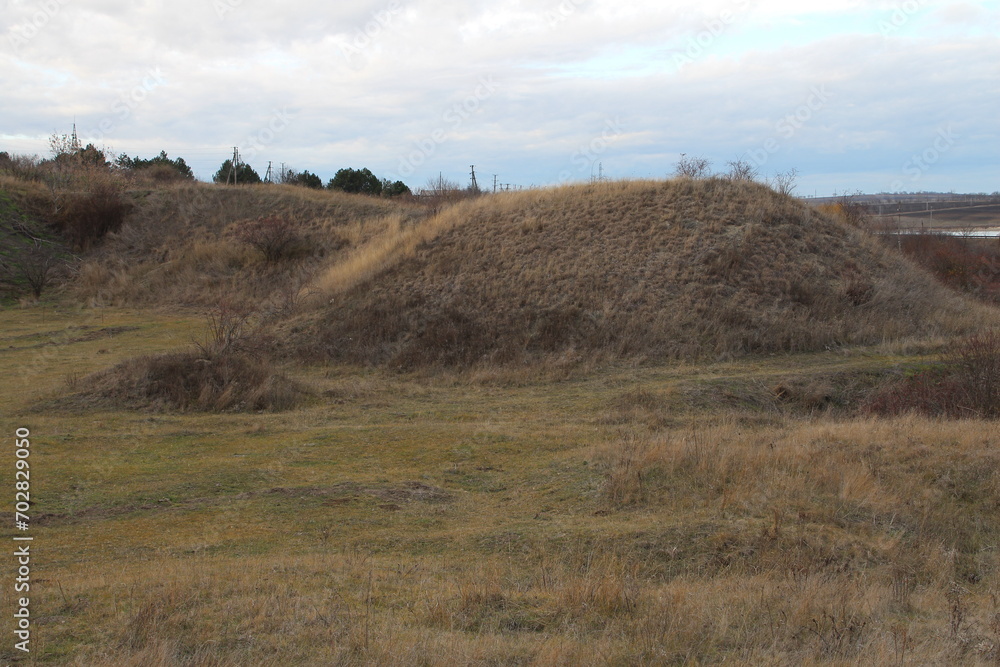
[(190, 381), (227, 372)]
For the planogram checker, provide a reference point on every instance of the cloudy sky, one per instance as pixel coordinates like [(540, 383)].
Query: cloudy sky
[(855, 95)]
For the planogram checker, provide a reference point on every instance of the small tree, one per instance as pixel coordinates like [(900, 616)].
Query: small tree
[(440, 187), (34, 264), (360, 181), (64, 145), (242, 175), (394, 189), (308, 180), (692, 167)]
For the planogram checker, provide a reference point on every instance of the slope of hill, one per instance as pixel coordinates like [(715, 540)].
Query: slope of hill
[(643, 270), (182, 244)]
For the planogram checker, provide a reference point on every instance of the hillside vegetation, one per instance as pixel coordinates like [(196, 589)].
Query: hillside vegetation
[(182, 245), (416, 435), (644, 270)]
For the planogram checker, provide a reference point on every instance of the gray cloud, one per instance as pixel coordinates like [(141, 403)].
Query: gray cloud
[(374, 83)]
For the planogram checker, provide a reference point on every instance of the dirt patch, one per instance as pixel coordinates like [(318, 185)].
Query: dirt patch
[(66, 336)]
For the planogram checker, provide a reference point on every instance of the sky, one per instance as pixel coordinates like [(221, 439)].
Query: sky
[(896, 96)]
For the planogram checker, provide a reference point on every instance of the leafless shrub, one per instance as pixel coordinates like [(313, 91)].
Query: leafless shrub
[(23, 167), (977, 361), (741, 170), (784, 182), (188, 381), (692, 167), (966, 384), (272, 235), (854, 212), (229, 371), (35, 265), (232, 329)]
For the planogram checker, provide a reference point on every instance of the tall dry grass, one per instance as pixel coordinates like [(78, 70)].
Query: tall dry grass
[(804, 542), (185, 244)]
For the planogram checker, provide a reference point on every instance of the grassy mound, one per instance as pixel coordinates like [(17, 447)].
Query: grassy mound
[(192, 381), (642, 270)]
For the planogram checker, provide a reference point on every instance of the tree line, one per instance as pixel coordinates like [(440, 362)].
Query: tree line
[(360, 181)]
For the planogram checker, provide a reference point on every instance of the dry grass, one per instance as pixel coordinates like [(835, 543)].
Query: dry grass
[(396, 241), (184, 244), (639, 270), (230, 381), (471, 518), (802, 543), (565, 511)]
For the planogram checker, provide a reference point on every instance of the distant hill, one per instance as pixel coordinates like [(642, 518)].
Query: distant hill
[(644, 270)]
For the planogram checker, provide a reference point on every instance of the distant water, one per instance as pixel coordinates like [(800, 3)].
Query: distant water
[(987, 233)]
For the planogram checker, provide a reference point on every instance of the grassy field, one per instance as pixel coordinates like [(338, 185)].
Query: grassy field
[(618, 514)]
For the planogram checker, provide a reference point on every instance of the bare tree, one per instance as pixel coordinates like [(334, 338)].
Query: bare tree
[(35, 265), (440, 186), (692, 167)]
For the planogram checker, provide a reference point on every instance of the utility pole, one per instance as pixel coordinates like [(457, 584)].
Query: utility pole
[(475, 186), (494, 183), (267, 177), (234, 165)]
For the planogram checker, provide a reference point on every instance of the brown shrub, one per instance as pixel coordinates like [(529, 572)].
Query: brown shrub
[(191, 381), (86, 217), (36, 265), (966, 384), (968, 265), (272, 235)]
